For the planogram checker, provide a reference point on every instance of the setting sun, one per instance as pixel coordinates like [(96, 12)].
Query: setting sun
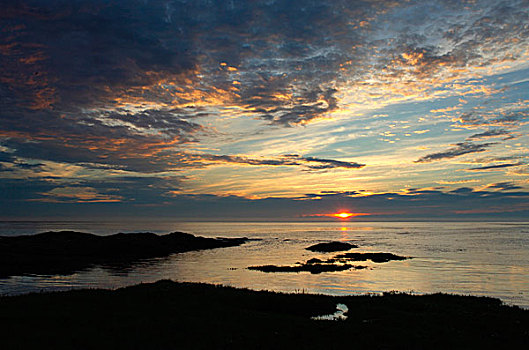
[(339, 215), (343, 215)]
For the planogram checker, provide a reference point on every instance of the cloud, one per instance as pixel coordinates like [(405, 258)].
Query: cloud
[(76, 194), (330, 163), (96, 54), (454, 182), (330, 194), (503, 186), (501, 200), (314, 104), (459, 150), (124, 83), (495, 118), (168, 122), (90, 52), (136, 141), (101, 89), (463, 190), (498, 166), (126, 191), (488, 134), (4, 168), (488, 160), (245, 160), (286, 160)]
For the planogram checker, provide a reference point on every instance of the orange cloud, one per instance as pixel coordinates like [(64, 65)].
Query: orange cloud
[(76, 195)]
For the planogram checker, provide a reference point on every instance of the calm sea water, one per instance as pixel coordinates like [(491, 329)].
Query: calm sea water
[(475, 258)]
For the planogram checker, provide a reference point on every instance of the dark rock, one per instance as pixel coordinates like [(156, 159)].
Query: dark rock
[(374, 257), (67, 251), (331, 247), (314, 261), (312, 268)]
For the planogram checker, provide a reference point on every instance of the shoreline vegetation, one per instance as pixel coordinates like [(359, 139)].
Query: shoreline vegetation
[(172, 315), (66, 252)]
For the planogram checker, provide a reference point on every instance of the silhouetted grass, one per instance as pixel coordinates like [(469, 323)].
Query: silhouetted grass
[(169, 315)]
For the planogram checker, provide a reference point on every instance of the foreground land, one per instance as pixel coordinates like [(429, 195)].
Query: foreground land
[(66, 252), (170, 315)]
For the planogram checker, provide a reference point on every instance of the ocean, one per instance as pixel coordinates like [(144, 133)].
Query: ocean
[(471, 258)]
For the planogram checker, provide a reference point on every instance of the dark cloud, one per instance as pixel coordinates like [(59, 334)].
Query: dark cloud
[(493, 119), (12, 163), (459, 150), (28, 166), (491, 28), (304, 107), (125, 190), (132, 198), (98, 53), (487, 160), (4, 168), (246, 160), (421, 41), (469, 118), (286, 160), (331, 194), (118, 138), (330, 163), (498, 166), (288, 56), (149, 121), (463, 190), (79, 79), (6, 157), (122, 85), (90, 52), (504, 186), (488, 134)]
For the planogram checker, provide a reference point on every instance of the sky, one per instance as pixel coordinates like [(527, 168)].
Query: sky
[(272, 110)]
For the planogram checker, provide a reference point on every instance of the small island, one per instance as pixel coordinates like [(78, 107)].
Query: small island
[(331, 247), (66, 252), (341, 262), (374, 257), (313, 268)]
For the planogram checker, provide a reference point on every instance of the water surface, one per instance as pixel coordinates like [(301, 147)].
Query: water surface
[(465, 257)]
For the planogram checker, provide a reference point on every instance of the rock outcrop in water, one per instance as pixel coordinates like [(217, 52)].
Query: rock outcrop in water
[(312, 268), (339, 262), (67, 251), (374, 257), (331, 247), (313, 265)]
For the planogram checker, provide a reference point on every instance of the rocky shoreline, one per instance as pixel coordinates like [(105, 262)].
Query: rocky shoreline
[(66, 252)]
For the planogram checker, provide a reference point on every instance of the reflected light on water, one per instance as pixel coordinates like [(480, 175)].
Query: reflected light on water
[(344, 235), (466, 258)]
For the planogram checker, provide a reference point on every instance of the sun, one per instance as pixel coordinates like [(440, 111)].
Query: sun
[(340, 215), (343, 215)]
